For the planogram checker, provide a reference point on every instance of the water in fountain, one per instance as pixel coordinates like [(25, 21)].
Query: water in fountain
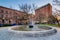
[(32, 26)]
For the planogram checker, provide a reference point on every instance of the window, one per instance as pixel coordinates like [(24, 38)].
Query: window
[(10, 12), (1, 11), (15, 17), (6, 12), (1, 16), (18, 17)]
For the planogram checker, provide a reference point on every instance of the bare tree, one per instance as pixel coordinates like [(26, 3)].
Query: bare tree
[(53, 20), (57, 11), (27, 8), (56, 2)]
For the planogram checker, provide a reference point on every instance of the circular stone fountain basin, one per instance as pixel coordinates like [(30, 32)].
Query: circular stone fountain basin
[(39, 31)]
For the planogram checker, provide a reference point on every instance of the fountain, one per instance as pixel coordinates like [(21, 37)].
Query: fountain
[(39, 31), (32, 30), (31, 24)]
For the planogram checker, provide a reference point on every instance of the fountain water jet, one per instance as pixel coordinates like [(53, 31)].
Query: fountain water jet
[(31, 24)]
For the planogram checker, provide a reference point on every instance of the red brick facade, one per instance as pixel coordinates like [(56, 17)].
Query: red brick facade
[(10, 16), (45, 11)]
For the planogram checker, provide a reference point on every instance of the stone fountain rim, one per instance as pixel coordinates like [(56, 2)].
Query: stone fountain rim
[(44, 31)]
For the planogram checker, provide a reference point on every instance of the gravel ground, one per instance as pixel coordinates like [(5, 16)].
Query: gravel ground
[(5, 35)]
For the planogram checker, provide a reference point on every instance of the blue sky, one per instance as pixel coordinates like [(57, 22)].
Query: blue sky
[(14, 3)]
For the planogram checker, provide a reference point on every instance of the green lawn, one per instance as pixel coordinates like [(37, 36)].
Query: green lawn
[(55, 25)]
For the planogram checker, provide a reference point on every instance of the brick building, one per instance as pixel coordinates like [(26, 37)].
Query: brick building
[(11, 16), (42, 13)]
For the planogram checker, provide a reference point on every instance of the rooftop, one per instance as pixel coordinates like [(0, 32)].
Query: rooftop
[(11, 9), (43, 6)]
